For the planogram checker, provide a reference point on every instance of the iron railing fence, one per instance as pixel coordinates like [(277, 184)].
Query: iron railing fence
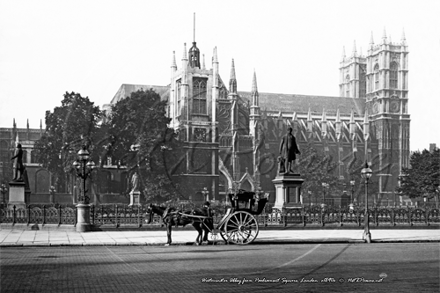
[(125, 216)]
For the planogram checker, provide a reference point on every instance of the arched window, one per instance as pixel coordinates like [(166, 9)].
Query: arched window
[(393, 75), (347, 86), (376, 77), (199, 96), (178, 93)]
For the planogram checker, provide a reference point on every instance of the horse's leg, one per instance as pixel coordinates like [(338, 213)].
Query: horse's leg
[(199, 233), (168, 234)]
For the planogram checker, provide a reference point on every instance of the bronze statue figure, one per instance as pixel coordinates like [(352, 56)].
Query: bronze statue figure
[(19, 167), (289, 150)]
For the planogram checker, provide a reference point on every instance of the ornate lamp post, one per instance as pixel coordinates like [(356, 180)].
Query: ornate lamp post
[(366, 174), (352, 183), (325, 186), (3, 190), (83, 168)]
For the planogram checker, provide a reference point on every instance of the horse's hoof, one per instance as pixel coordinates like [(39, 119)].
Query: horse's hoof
[(167, 244)]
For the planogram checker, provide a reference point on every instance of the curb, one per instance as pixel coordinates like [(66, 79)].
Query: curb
[(260, 242)]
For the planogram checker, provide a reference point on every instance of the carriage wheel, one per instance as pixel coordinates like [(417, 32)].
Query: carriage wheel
[(240, 228)]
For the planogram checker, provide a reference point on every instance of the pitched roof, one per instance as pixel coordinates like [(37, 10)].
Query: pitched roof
[(301, 103), (125, 90)]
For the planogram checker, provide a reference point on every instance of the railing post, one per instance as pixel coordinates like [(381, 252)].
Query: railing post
[(28, 215), (13, 215), (303, 214), (92, 210), (393, 223), (116, 216), (340, 217), (102, 215), (426, 216), (44, 215), (139, 216), (76, 216), (60, 213)]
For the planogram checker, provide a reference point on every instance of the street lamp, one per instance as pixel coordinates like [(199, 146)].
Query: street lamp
[(3, 190), (325, 186), (352, 183), (310, 197), (366, 174), (83, 167)]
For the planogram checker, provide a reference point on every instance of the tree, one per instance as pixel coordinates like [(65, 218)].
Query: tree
[(317, 169), (422, 177), (139, 123), (68, 127)]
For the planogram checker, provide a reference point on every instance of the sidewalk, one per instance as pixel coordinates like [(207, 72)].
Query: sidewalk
[(11, 237)]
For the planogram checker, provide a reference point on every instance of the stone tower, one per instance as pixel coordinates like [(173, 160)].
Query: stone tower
[(194, 91), (352, 70), (387, 103)]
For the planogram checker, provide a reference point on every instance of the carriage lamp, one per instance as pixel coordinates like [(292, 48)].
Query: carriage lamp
[(366, 174), (3, 190), (83, 168)]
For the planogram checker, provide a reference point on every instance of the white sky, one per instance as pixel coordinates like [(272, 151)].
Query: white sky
[(92, 47)]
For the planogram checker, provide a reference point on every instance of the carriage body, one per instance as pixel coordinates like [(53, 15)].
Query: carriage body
[(239, 225)]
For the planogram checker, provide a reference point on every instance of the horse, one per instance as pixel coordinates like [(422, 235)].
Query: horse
[(199, 218)]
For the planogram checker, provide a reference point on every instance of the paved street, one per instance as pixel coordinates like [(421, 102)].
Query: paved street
[(318, 267), (17, 237)]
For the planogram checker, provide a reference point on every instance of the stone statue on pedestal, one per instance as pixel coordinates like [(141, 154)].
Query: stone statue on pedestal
[(288, 151), (19, 167)]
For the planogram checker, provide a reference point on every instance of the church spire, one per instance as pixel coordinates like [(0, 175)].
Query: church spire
[(343, 53), (232, 80), (354, 49), (384, 37), (403, 39), (254, 92), (194, 52), (173, 61)]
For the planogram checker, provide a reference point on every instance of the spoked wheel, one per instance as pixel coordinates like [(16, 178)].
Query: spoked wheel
[(240, 228)]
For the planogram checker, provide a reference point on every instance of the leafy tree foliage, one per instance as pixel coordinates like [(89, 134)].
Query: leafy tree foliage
[(422, 178), (68, 127), (139, 123), (317, 169)]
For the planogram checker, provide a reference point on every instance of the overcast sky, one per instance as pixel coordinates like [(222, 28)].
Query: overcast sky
[(92, 47)]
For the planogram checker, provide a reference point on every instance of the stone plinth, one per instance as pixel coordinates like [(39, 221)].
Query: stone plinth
[(288, 191), (135, 196), (83, 223), (18, 195)]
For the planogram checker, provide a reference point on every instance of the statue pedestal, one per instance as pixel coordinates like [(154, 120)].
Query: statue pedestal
[(83, 223), (135, 196), (18, 195), (288, 191)]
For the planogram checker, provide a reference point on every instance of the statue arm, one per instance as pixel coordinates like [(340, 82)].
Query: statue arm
[(281, 145)]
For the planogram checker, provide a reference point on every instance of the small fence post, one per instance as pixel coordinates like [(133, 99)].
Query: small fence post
[(13, 215), (139, 216), (76, 216), (393, 223), (28, 215), (116, 216), (92, 210), (60, 213), (44, 215), (102, 215)]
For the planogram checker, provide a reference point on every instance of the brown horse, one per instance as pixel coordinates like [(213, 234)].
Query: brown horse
[(199, 218)]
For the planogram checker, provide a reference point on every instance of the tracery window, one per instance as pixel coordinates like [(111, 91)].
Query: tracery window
[(199, 96), (347, 86), (393, 75), (376, 77), (178, 93)]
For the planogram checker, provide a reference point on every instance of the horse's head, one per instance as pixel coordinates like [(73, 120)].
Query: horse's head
[(150, 213)]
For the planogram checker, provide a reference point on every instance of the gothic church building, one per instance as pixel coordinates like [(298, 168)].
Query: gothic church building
[(232, 136)]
